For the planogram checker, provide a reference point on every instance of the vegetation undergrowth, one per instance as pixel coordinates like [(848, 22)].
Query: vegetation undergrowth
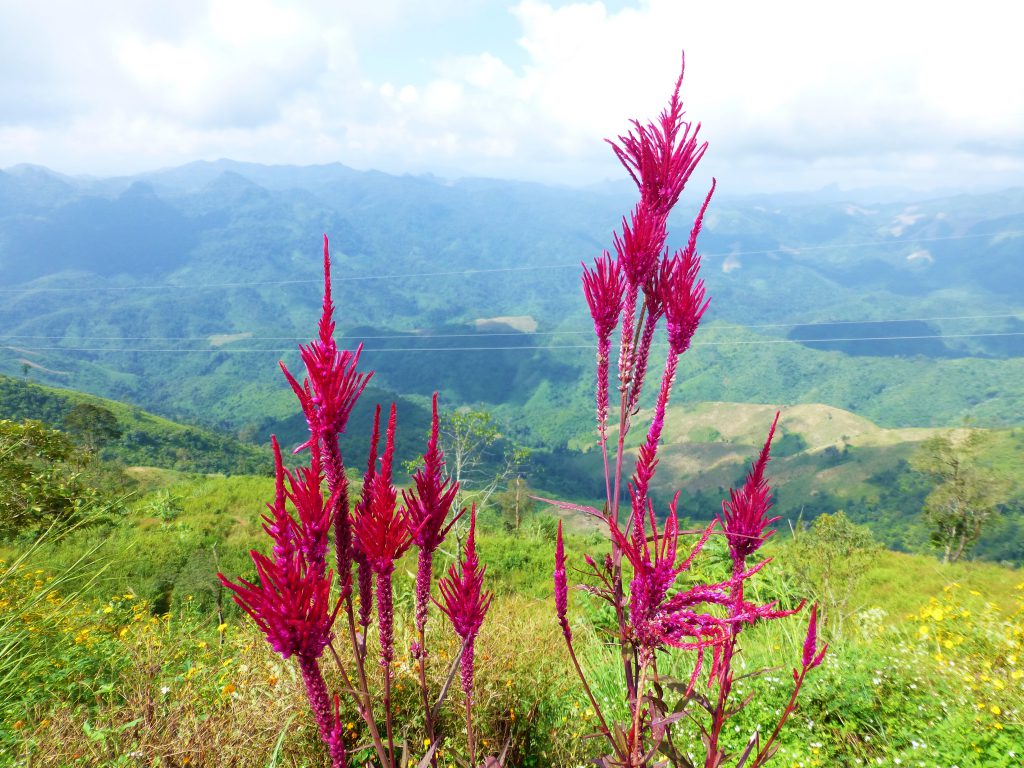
[(114, 683)]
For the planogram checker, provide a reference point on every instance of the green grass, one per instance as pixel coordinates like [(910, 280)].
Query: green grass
[(229, 698)]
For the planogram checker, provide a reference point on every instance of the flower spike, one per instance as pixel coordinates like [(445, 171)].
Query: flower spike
[(382, 529), (427, 508), (812, 656), (561, 586), (604, 288), (745, 515), (332, 384), (291, 604), (465, 601), (661, 156)]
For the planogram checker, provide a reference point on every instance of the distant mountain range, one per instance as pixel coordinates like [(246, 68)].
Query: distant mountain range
[(179, 290)]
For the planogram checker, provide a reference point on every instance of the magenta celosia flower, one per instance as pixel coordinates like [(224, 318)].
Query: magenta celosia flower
[(683, 300), (561, 586), (640, 245), (383, 535), (638, 249), (364, 575), (327, 395), (656, 618), (332, 384), (745, 515), (427, 508), (603, 288), (812, 656), (465, 601), (661, 156), (280, 525), (315, 515), (291, 604), (382, 528)]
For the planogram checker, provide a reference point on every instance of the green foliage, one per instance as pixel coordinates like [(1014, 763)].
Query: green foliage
[(965, 496), (788, 444), (41, 482), (829, 560), (92, 426), (119, 432), (704, 435), (882, 693), (515, 504)]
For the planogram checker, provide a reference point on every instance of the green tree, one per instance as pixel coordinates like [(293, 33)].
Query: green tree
[(966, 494), (39, 484), (477, 455), (515, 503), (830, 560), (92, 426)]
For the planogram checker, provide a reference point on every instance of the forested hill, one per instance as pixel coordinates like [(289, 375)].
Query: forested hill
[(180, 290), (144, 439)]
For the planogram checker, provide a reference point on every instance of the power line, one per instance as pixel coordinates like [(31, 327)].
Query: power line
[(370, 350), (427, 334), (489, 270)]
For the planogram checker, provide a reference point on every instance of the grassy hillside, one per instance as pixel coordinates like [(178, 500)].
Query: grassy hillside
[(146, 440), (824, 459)]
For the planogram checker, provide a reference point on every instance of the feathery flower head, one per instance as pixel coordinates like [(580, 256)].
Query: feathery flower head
[(661, 156), (745, 515), (812, 656), (332, 384), (381, 527), (561, 586), (280, 525), (604, 288), (465, 601), (364, 575), (427, 506), (291, 604), (640, 245), (683, 300), (314, 514), (656, 618)]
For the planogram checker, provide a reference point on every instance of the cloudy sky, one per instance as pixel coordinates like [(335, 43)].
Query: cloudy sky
[(792, 95)]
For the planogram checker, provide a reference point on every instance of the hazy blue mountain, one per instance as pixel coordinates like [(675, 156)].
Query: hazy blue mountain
[(178, 290)]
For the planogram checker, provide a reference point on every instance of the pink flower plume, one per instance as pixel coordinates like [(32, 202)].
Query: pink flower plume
[(745, 515), (465, 601)]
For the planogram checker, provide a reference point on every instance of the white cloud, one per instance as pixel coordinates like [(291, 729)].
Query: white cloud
[(790, 95)]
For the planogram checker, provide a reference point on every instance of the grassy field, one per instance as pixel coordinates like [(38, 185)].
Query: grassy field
[(134, 657)]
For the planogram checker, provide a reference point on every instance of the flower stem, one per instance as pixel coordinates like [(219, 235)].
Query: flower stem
[(363, 703), (320, 703), (428, 719), (469, 730), (764, 754), (606, 732), (634, 758)]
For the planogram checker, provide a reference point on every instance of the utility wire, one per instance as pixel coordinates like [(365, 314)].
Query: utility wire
[(489, 270), (370, 350), (427, 334)]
